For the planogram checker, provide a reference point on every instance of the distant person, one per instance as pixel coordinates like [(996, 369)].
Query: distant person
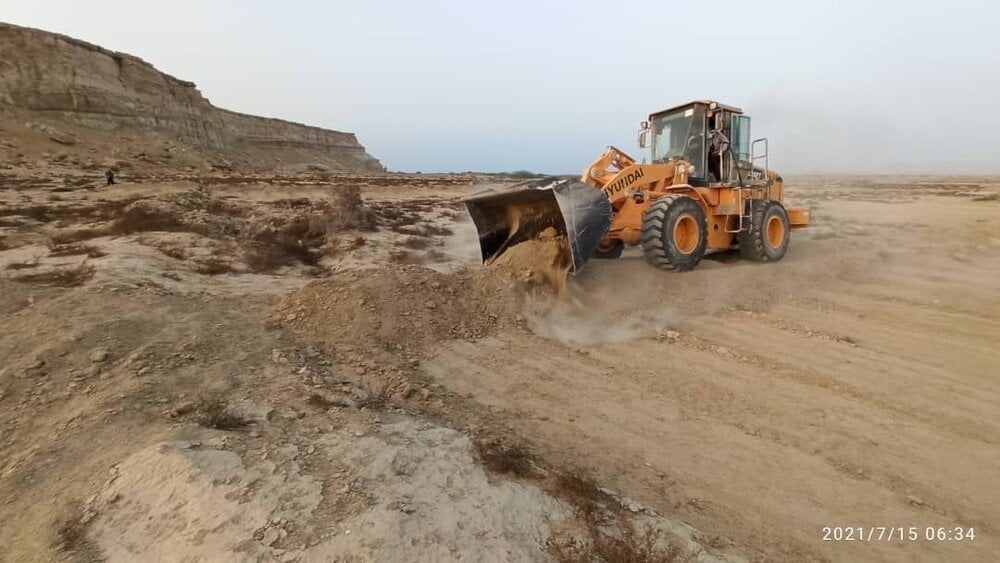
[(110, 175)]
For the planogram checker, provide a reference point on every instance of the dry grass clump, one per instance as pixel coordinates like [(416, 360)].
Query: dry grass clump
[(77, 235), (347, 210), (431, 229), (40, 213), (611, 535), (213, 267), (213, 412), (272, 250), (62, 277), (300, 240), (622, 543), (415, 242), (89, 250), (22, 265), (70, 534), (403, 257), (503, 457), (175, 252), (222, 207), (140, 218)]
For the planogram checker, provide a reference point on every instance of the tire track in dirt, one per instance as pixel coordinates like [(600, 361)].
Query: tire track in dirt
[(849, 385)]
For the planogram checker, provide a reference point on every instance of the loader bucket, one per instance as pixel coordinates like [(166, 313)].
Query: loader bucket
[(507, 216)]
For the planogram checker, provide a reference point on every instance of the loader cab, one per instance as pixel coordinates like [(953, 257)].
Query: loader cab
[(686, 132)]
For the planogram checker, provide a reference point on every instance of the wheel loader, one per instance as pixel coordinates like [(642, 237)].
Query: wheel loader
[(706, 189)]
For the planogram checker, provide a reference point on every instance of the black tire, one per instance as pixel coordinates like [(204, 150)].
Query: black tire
[(615, 251), (766, 240), (674, 233)]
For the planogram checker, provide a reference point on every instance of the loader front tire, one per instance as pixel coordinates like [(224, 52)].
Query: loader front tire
[(766, 240), (674, 233), (613, 251)]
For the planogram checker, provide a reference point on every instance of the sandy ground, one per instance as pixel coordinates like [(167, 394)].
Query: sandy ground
[(739, 407), (852, 384)]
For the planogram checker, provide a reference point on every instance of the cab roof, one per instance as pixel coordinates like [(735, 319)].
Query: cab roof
[(711, 104)]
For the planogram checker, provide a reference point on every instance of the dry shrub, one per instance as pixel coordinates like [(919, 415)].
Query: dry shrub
[(404, 223), (124, 221), (22, 265), (137, 219), (318, 271), (89, 250), (347, 210), (293, 203), (213, 412), (309, 231), (274, 251), (621, 543), (213, 267), (415, 242), (579, 491), (70, 534), (40, 213), (430, 229), (220, 207), (175, 252), (64, 277), (403, 257), (503, 457), (78, 235), (612, 536), (435, 256), (296, 242), (76, 212)]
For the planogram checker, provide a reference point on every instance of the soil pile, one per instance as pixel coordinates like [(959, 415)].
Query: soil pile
[(380, 321)]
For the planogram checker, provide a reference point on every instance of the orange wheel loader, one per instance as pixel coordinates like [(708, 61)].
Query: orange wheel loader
[(708, 188)]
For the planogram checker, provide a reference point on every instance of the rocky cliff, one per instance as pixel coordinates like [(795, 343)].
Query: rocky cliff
[(62, 78)]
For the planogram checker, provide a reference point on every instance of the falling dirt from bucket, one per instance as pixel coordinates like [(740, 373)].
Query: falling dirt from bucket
[(544, 258)]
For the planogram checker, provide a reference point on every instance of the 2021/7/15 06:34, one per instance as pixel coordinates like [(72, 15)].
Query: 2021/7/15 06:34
[(898, 533)]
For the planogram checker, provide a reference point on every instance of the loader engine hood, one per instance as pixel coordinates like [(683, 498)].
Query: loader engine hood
[(507, 216)]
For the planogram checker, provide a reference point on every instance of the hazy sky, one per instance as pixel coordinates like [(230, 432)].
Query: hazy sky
[(464, 85)]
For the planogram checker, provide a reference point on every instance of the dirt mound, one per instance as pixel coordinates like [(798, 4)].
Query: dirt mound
[(381, 321)]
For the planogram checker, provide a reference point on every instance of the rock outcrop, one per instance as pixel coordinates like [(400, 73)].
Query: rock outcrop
[(63, 78)]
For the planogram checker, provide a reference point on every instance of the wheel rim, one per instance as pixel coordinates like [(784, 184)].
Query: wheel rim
[(685, 234), (775, 232)]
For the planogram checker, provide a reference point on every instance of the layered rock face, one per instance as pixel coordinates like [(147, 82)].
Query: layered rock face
[(65, 78)]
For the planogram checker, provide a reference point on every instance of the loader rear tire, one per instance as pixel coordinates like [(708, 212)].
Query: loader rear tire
[(674, 233), (767, 238)]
